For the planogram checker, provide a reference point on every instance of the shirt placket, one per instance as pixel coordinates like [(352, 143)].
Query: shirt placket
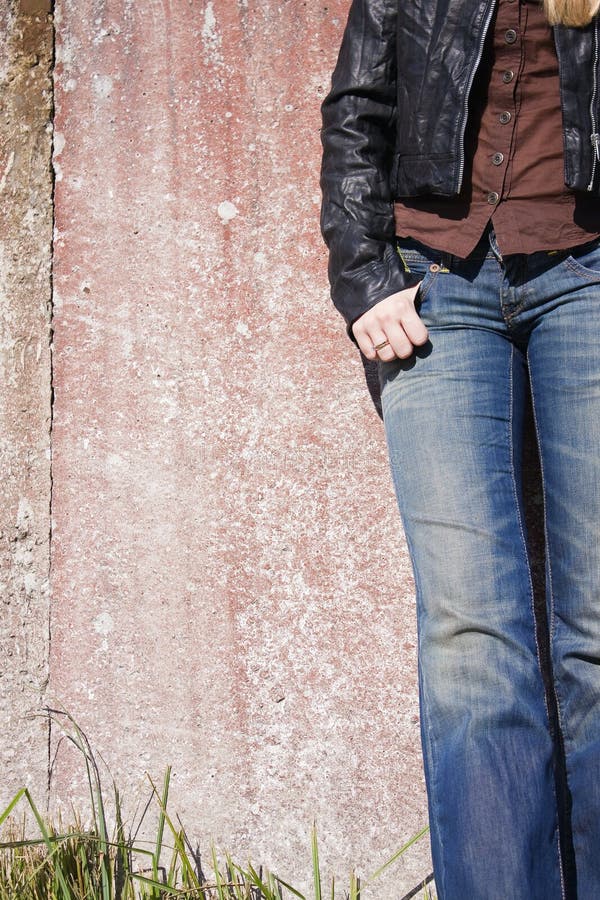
[(508, 47)]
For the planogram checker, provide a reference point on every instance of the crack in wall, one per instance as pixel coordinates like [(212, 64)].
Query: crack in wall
[(52, 20)]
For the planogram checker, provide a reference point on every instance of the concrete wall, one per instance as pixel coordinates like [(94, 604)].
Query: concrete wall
[(230, 587), (25, 398)]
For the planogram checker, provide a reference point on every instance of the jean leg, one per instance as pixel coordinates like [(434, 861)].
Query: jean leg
[(453, 420), (564, 360)]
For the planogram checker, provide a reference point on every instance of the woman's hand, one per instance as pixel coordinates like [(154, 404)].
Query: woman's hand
[(393, 322)]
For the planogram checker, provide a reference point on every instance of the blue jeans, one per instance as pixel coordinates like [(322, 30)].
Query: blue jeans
[(453, 417)]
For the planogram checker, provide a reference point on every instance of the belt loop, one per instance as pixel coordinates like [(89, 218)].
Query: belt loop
[(494, 243)]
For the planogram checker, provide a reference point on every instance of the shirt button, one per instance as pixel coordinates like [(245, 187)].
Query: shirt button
[(492, 198), (510, 36), (505, 117), (508, 76), (498, 159)]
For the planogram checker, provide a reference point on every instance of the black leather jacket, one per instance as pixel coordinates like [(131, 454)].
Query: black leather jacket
[(394, 123)]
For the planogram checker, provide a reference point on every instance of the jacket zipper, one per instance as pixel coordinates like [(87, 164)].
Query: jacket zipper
[(465, 111), (594, 137)]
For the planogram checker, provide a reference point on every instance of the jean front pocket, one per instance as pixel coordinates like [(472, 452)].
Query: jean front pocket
[(418, 259), (584, 260)]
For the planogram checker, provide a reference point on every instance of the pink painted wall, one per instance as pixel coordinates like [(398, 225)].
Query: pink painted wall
[(231, 590)]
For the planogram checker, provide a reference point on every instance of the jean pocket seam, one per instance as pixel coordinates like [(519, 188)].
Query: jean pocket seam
[(426, 285), (582, 271)]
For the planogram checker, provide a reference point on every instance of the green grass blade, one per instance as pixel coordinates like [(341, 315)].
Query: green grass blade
[(11, 805), (122, 859), (162, 888), (253, 876), (50, 848), (315, 861), (161, 821), (238, 889), (178, 837), (397, 854), (81, 741), (217, 874), (173, 869), (290, 888), (30, 842)]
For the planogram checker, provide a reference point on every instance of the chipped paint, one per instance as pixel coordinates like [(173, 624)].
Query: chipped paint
[(7, 170), (102, 86), (227, 211), (104, 623)]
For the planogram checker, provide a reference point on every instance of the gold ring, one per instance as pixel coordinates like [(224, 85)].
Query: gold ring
[(381, 345)]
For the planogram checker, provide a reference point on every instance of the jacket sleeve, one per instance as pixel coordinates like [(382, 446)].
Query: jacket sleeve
[(358, 135)]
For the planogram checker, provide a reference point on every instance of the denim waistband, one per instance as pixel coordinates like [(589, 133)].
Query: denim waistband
[(486, 248)]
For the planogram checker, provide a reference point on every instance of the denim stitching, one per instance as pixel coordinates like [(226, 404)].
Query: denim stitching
[(408, 256), (511, 311), (514, 487), (435, 823), (402, 254), (430, 281), (551, 612), (529, 578), (428, 748), (581, 270)]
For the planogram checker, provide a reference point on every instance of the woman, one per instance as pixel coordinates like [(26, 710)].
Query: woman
[(461, 177)]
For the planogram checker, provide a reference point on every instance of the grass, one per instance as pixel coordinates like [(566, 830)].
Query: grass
[(103, 863)]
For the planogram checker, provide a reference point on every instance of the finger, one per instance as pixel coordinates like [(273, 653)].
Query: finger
[(382, 346), (414, 327), (363, 339), (400, 344)]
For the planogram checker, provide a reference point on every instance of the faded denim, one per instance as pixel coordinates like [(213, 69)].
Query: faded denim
[(454, 417)]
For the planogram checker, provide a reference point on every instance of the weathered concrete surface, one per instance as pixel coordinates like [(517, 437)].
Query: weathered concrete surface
[(231, 593), (25, 242)]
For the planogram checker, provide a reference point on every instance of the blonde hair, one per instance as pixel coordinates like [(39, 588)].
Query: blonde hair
[(571, 12)]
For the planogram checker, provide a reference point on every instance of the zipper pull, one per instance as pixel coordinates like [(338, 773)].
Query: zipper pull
[(595, 139)]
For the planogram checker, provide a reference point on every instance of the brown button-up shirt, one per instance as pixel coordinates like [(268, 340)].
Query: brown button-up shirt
[(514, 170)]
